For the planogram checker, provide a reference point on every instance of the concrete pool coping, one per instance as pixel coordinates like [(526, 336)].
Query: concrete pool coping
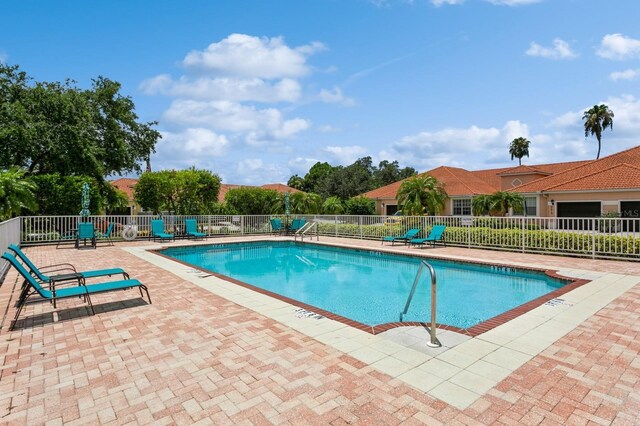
[(468, 367)]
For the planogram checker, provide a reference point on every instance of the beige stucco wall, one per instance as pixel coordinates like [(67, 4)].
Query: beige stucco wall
[(611, 200)]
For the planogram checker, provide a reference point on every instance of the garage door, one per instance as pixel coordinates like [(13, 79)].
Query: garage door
[(581, 209), (630, 210)]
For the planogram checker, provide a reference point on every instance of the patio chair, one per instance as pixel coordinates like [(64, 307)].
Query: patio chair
[(107, 234), (436, 234), (276, 226), (86, 290), (157, 231), (297, 224), (66, 236), (86, 232), (71, 275), (191, 226), (411, 233)]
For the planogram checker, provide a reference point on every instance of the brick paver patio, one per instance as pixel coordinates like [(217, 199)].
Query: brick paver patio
[(193, 356)]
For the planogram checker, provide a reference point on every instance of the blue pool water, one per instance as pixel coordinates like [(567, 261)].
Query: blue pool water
[(371, 287)]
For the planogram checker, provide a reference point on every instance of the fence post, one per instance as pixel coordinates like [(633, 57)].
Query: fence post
[(593, 238), (360, 222), (469, 232), (242, 225), (336, 224), (522, 228)]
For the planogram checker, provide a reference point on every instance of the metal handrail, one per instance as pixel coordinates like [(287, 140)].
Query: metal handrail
[(434, 343), (307, 226)]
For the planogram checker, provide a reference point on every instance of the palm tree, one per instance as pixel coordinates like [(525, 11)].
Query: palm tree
[(481, 205), (502, 201), (596, 120), (16, 193), (332, 205), (519, 148), (421, 194), (304, 202)]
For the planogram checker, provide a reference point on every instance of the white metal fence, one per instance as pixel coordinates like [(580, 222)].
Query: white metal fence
[(9, 234), (592, 237)]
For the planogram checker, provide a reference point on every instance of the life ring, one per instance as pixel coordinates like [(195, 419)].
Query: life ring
[(129, 233)]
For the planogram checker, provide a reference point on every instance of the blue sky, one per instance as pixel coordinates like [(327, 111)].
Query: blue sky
[(259, 90)]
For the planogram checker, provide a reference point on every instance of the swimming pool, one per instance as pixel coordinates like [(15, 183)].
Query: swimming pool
[(370, 287)]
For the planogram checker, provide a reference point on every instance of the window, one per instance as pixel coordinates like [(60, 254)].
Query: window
[(462, 207), (530, 205)]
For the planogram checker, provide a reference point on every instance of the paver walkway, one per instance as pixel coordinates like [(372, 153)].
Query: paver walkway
[(193, 356)]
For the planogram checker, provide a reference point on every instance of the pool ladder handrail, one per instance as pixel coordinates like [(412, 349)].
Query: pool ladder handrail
[(433, 342), (306, 227)]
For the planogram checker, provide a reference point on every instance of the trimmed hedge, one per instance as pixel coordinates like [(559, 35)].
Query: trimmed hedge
[(506, 238)]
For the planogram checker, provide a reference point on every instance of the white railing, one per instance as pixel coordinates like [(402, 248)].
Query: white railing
[(9, 234), (592, 237)]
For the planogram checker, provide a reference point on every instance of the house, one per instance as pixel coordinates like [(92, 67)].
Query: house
[(571, 189), (127, 185)]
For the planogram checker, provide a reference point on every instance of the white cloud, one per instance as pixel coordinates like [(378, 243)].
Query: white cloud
[(560, 50), (223, 88), (345, 155), (234, 117), (327, 128), (629, 74), (190, 147), (249, 56), (512, 2), (301, 165), (3, 57), (254, 171), (439, 3), (335, 96), (618, 46)]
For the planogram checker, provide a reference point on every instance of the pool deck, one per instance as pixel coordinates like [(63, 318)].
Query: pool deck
[(210, 351)]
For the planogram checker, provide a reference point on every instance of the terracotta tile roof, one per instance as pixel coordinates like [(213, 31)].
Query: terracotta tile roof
[(224, 188), (523, 170), (456, 182), (460, 182), (620, 176), (280, 187), (126, 185), (576, 177)]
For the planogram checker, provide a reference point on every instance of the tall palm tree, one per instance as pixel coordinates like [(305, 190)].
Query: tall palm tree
[(16, 193), (421, 194), (596, 120), (519, 148), (305, 202)]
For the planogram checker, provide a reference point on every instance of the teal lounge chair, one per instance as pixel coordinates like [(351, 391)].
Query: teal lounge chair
[(436, 234), (86, 232), (192, 229), (33, 287), (107, 234), (276, 226), (71, 275), (157, 231), (411, 233), (298, 224)]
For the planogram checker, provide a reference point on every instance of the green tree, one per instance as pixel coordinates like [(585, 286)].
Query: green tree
[(251, 200), (518, 148), (332, 205), (389, 172), (317, 173), (421, 194), (349, 181), (360, 206), (16, 193), (62, 195), (186, 192), (52, 127), (597, 119), (497, 204), (481, 205), (304, 202), (296, 182)]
